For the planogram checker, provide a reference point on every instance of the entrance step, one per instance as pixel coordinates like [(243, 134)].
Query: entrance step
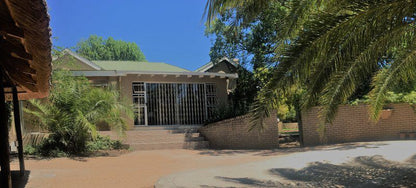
[(178, 145), (162, 137), (193, 137)]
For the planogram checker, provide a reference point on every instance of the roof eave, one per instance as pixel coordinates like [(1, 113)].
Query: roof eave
[(125, 73)]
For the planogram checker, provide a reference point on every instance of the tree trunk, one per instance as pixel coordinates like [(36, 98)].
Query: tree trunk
[(299, 120)]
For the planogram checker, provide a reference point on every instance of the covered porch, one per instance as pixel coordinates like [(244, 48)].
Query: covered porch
[(25, 69)]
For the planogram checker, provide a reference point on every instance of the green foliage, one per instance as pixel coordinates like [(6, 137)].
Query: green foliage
[(254, 43), (29, 150), (391, 97), (104, 143), (334, 47), (245, 92), (97, 48), (72, 111), (223, 111)]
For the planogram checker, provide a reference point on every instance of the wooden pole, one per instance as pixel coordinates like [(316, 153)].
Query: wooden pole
[(18, 127), (6, 180)]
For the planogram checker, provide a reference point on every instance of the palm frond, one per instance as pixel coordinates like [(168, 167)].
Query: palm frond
[(403, 68), (249, 9)]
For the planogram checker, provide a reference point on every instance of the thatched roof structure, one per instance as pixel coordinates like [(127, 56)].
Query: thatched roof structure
[(25, 47)]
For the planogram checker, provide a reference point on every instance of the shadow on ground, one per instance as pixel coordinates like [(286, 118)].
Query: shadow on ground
[(364, 171), (355, 145), (270, 152), (19, 181), (287, 150)]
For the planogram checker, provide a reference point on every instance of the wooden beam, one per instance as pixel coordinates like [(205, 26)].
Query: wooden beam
[(21, 65), (18, 127), (7, 24), (5, 179), (14, 48), (19, 71)]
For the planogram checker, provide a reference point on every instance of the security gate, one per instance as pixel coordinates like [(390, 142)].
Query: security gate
[(174, 103), (139, 102)]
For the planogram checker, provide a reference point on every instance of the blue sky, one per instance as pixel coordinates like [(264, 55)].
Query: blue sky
[(165, 30)]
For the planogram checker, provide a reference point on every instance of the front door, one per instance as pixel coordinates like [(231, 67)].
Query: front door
[(139, 101)]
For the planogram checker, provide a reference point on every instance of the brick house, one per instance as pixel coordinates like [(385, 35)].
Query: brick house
[(162, 94)]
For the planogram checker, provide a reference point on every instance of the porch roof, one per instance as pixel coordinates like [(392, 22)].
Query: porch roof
[(25, 56)]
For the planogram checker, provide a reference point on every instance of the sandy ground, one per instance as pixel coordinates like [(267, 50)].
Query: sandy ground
[(135, 169)]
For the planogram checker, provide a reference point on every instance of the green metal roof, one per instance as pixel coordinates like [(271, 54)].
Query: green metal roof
[(138, 66)]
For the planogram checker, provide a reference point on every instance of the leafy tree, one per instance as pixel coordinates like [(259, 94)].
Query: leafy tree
[(254, 44), (97, 48), (72, 111), (334, 47)]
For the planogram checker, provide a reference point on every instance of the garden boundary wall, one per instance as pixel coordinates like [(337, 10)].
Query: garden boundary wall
[(234, 134), (352, 124)]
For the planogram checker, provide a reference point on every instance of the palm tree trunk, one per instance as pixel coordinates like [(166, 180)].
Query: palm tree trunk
[(299, 119)]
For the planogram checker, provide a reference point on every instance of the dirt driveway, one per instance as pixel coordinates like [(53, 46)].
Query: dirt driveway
[(372, 164), (369, 164), (135, 169)]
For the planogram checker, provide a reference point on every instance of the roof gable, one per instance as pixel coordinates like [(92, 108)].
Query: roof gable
[(72, 61), (223, 62)]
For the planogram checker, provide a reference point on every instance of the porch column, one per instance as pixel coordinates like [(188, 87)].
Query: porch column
[(6, 180), (18, 127)]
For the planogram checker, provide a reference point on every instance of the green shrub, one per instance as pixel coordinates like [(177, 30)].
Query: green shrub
[(391, 97), (72, 111), (104, 143), (29, 150)]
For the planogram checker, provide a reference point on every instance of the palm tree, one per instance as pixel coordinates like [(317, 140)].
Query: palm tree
[(74, 108), (335, 46)]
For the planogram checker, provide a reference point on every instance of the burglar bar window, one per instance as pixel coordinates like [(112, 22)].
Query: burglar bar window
[(211, 95)]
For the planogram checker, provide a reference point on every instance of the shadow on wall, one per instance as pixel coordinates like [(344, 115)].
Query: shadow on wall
[(364, 171)]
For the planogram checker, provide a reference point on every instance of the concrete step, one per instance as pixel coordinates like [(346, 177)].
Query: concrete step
[(167, 127), (194, 139), (156, 146), (156, 140), (196, 145), (162, 137), (169, 145)]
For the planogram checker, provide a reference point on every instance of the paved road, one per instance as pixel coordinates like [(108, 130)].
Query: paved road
[(326, 163)]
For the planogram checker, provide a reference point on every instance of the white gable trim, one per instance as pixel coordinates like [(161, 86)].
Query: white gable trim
[(210, 65), (83, 60)]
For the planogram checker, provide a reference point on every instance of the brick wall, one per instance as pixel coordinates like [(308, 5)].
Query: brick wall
[(233, 134), (352, 124)]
